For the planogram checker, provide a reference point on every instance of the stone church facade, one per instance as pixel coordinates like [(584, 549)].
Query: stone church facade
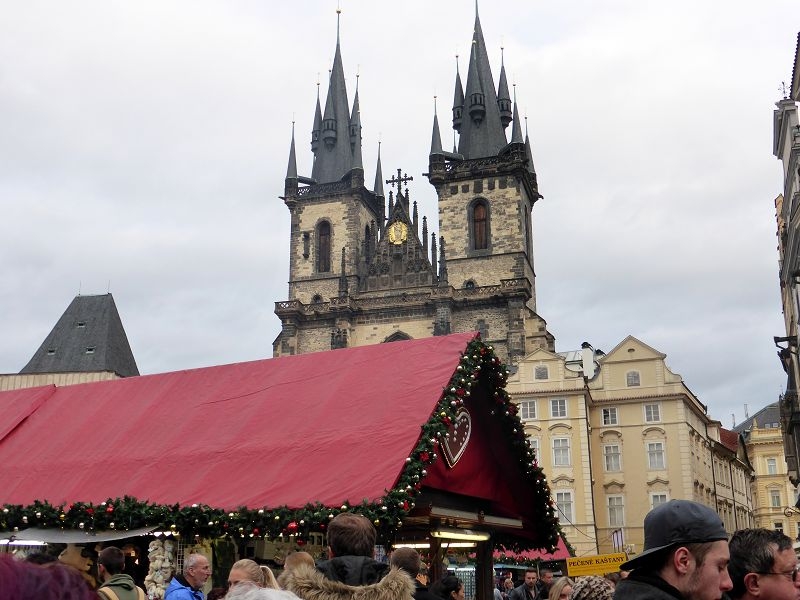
[(364, 268)]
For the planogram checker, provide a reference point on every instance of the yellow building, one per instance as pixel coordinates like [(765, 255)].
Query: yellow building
[(622, 439), (772, 490)]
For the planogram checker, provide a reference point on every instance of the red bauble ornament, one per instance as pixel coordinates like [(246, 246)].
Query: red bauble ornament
[(292, 527), (109, 509), (301, 542), (460, 392), (424, 456), (89, 511), (322, 526), (405, 505), (256, 531)]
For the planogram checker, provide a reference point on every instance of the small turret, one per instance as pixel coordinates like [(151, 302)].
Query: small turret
[(355, 133), (329, 121), (503, 98), (516, 131), (474, 97), (458, 101), (378, 187), (316, 132), (436, 137)]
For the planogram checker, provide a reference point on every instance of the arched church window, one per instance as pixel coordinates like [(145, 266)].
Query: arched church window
[(479, 225), (324, 247)]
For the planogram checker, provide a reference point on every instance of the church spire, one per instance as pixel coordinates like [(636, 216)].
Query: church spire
[(291, 170), (503, 98), (316, 132), (436, 137), (355, 132), (458, 101), (378, 187), (516, 131), (528, 150)]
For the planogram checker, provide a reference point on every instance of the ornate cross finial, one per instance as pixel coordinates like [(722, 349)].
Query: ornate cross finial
[(784, 90), (401, 178)]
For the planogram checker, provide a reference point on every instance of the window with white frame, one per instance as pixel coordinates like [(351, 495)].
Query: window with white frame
[(616, 511), (527, 409), (772, 466), (657, 499), (610, 416), (655, 456), (632, 379), (564, 505), (561, 456), (775, 498), (541, 372), (558, 407), (611, 457), (652, 413)]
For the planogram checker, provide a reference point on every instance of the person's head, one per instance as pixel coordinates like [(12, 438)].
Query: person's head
[(23, 580), (561, 589), (593, 587), (508, 584), (196, 570), (448, 587), (295, 559), (685, 543), (350, 534), (250, 591), (531, 577), (763, 565), (406, 559), (423, 576), (547, 577), (612, 578), (110, 561), (250, 571)]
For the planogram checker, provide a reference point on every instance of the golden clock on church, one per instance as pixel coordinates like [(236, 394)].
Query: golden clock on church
[(397, 232)]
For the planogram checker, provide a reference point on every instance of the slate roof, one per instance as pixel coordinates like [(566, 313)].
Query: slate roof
[(89, 337), (769, 416)]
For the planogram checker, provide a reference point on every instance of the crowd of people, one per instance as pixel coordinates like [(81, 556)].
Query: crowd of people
[(687, 556)]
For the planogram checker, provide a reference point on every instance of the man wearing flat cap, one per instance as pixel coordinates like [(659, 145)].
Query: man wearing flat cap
[(685, 556)]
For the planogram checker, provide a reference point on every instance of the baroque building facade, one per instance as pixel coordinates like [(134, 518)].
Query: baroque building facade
[(620, 433), (364, 267)]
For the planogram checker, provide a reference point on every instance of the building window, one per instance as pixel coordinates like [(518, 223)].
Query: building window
[(534, 442), (655, 456), (632, 379), (482, 328), (610, 416), (772, 466), (558, 408), (527, 409), (324, 247), (541, 372), (778, 526), (564, 505), (616, 511), (775, 498), (657, 499), (561, 456), (479, 224), (652, 413), (611, 457)]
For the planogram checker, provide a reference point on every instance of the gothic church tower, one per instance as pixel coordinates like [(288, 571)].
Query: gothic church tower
[(361, 269)]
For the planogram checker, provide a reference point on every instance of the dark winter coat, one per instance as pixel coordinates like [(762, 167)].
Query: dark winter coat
[(643, 586), (123, 586)]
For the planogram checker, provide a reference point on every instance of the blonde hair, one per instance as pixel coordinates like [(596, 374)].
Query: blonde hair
[(261, 575), (558, 585)]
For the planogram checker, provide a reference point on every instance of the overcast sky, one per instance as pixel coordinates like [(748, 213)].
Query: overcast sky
[(143, 147)]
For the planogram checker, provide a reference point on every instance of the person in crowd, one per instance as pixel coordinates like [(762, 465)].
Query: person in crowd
[(685, 556), (528, 589), (115, 585), (250, 591), (292, 561), (561, 589), (21, 580), (508, 585), (350, 568), (592, 587), (448, 587), (612, 578), (188, 585), (545, 582), (408, 559), (250, 570), (217, 593), (763, 566)]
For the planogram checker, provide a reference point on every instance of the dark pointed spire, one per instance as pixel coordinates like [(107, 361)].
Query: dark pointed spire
[(378, 188), (436, 137), (316, 132), (528, 150), (425, 236), (291, 170), (415, 218), (458, 101), (355, 132), (482, 135), (442, 264), (516, 131), (503, 97), (434, 253)]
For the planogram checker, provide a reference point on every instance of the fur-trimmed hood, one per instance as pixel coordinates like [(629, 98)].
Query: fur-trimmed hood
[(310, 584)]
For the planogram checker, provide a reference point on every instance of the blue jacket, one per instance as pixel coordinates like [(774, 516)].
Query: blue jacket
[(179, 589)]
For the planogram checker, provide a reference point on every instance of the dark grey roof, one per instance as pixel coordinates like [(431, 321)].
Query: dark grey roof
[(378, 187), (436, 138), (291, 170), (516, 135), (89, 337), (769, 416), (487, 137)]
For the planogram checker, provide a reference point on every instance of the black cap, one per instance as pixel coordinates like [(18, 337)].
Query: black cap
[(678, 522)]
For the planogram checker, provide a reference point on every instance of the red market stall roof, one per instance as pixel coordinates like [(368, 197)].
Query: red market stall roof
[(531, 556), (330, 429)]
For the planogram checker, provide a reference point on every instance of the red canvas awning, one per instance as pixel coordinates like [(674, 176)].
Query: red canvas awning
[(530, 556), (328, 427)]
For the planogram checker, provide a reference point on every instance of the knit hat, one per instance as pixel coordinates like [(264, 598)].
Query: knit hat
[(591, 588), (678, 522)]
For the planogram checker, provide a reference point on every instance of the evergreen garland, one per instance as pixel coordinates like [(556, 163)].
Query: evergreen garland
[(478, 365)]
